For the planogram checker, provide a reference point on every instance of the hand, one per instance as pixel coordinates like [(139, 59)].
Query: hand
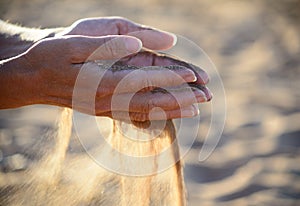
[(147, 101), (153, 39), (48, 70)]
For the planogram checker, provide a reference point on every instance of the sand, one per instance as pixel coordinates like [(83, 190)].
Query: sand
[(255, 47)]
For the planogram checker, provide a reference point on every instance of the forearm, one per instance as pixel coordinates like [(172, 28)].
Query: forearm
[(15, 40)]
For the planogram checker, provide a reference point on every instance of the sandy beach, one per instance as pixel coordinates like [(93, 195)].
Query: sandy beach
[(255, 47)]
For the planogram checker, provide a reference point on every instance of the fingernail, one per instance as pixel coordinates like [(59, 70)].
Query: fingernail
[(197, 111), (200, 95), (187, 113), (133, 45), (191, 77), (174, 38), (208, 94), (211, 96), (190, 112)]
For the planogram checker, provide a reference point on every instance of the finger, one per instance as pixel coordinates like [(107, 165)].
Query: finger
[(131, 81), (146, 58), (204, 89), (171, 100), (154, 39), (84, 48), (144, 102), (187, 112)]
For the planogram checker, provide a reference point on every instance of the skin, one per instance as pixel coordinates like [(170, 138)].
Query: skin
[(44, 71)]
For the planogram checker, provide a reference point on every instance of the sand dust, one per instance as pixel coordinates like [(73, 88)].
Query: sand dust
[(255, 46)]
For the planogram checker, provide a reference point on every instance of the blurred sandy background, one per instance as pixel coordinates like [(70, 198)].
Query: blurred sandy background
[(256, 48)]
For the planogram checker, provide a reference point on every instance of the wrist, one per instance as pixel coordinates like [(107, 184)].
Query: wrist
[(15, 40), (18, 83)]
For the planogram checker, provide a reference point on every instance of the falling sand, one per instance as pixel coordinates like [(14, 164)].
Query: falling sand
[(59, 179)]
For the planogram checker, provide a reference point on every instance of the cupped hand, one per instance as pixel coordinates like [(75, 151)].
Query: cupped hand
[(177, 100), (53, 65)]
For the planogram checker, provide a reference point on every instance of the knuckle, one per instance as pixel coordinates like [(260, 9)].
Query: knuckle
[(72, 49), (140, 117), (103, 91), (119, 19), (173, 101), (110, 47), (70, 43), (147, 82), (151, 103)]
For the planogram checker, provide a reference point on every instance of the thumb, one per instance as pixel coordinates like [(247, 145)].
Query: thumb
[(86, 48)]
